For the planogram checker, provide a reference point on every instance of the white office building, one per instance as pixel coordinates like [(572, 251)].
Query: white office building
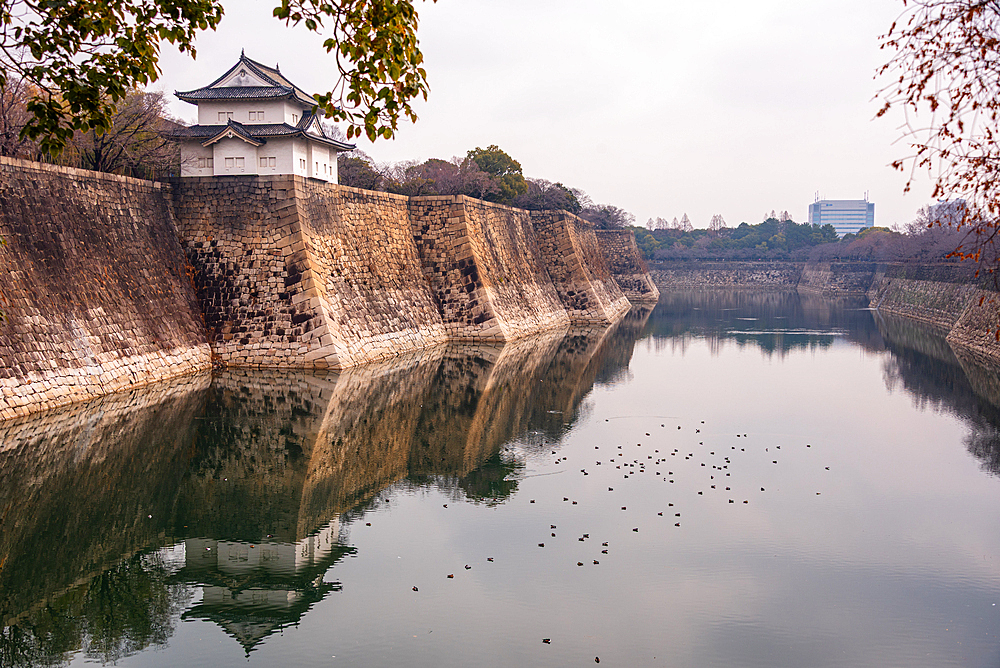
[(846, 215)]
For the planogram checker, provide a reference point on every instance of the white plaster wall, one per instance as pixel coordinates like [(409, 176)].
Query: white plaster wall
[(275, 111), (282, 151), (235, 148), (190, 152), (300, 151)]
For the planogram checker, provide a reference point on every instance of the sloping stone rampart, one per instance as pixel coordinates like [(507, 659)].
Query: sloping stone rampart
[(934, 294), (95, 292), (287, 272), (301, 274), (624, 260), (576, 264), (484, 265), (837, 278)]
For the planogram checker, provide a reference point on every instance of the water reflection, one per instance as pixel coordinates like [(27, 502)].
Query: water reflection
[(228, 499), (774, 322)]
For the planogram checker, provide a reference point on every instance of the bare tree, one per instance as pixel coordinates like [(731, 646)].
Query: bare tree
[(686, 225), (134, 145), (943, 74), (717, 223)]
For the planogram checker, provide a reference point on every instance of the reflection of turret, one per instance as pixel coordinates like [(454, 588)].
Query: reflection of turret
[(254, 589), (252, 474)]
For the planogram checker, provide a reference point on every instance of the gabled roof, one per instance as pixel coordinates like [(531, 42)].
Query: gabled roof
[(275, 86), (256, 134)]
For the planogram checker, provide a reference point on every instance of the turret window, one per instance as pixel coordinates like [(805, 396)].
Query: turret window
[(256, 115), (225, 116)]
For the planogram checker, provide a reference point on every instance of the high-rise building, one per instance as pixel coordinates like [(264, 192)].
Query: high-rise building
[(846, 215)]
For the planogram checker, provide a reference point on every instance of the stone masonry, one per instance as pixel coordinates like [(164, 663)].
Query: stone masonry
[(624, 259), (300, 274), (576, 264), (485, 267), (269, 271), (95, 292)]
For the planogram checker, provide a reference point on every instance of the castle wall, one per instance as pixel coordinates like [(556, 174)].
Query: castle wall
[(485, 267), (624, 259), (576, 264), (95, 292)]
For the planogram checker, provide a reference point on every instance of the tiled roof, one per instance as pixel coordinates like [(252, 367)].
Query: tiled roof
[(280, 86), (236, 93), (258, 133)]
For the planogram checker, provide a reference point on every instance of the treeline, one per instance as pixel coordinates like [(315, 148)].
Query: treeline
[(484, 173), (134, 145), (926, 239), (772, 239)]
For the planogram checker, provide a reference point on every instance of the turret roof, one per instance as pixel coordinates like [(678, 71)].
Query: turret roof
[(276, 86)]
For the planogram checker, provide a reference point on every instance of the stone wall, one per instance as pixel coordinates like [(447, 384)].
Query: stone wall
[(837, 278), (287, 272), (672, 276), (624, 260), (95, 291), (484, 266), (576, 264), (934, 294), (300, 274)]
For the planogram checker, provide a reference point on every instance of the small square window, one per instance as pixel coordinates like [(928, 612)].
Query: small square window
[(253, 115), (222, 117), (260, 115), (229, 163), (263, 162), (271, 162), (201, 163), (229, 114), (239, 162), (210, 162)]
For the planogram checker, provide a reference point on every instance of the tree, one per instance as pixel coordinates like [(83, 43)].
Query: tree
[(357, 170), (717, 223), (944, 63), (542, 195), (607, 216), (82, 58), (504, 170), (686, 225), (134, 144)]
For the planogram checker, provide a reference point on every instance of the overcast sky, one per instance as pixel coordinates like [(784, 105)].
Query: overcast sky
[(660, 107)]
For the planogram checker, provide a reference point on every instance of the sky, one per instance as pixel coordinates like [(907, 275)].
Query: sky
[(661, 107)]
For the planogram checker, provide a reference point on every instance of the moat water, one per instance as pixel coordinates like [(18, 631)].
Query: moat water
[(731, 479)]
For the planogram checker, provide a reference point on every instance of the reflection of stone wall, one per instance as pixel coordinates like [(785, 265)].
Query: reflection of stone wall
[(94, 292), (978, 325), (484, 265), (624, 259), (85, 484), (576, 264)]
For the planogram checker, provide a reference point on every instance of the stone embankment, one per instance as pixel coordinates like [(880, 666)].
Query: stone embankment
[(948, 296), (625, 261), (95, 293), (115, 282), (726, 275)]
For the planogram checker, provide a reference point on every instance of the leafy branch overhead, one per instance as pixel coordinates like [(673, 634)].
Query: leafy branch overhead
[(943, 73), (378, 60), (82, 58)]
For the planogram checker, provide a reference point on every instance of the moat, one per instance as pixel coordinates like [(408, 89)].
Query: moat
[(729, 479)]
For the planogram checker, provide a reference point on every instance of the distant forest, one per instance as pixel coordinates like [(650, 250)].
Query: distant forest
[(923, 240)]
